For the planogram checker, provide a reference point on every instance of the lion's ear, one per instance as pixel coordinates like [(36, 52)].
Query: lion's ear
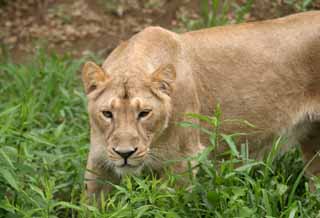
[(164, 77), (92, 76)]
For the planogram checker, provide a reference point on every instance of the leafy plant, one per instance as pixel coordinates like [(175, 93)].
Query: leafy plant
[(218, 12), (299, 5), (41, 157), (242, 185)]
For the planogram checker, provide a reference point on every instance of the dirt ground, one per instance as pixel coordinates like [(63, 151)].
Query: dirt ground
[(82, 27)]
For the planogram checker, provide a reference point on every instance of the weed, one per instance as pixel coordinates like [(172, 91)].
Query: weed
[(43, 130), (299, 5), (218, 13)]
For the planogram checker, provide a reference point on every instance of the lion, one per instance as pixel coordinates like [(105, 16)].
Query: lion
[(267, 73)]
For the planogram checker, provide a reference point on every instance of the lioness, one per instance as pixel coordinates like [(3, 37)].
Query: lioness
[(267, 73)]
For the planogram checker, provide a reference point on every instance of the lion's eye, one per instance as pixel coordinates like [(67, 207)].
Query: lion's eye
[(107, 114), (143, 114)]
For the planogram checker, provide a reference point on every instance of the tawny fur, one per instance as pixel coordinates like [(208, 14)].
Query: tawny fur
[(267, 73)]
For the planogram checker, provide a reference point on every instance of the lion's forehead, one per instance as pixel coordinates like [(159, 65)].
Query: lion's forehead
[(132, 92), (136, 102), (126, 94)]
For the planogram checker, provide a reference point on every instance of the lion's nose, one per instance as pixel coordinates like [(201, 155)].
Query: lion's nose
[(125, 153)]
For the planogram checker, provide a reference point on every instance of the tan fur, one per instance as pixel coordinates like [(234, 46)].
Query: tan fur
[(267, 73)]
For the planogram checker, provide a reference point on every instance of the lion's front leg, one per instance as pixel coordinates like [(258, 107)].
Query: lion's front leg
[(187, 169), (98, 180)]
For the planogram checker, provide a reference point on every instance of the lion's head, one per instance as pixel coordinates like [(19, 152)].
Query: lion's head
[(127, 114)]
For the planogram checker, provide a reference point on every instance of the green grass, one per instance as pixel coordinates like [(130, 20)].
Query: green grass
[(44, 144), (299, 5), (218, 13)]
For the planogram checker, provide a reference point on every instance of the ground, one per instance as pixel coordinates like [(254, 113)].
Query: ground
[(96, 26)]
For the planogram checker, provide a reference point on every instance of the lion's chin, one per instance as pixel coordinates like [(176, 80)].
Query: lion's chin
[(128, 170)]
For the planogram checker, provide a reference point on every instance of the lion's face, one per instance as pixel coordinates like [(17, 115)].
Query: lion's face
[(128, 114)]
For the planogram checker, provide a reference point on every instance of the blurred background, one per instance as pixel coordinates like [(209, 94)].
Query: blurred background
[(83, 27)]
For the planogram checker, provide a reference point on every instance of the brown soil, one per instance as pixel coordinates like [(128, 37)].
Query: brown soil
[(96, 26)]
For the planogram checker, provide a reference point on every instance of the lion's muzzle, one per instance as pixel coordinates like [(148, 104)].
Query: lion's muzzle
[(126, 149), (125, 153)]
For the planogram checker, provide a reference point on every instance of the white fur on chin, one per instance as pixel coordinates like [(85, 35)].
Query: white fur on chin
[(123, 171)]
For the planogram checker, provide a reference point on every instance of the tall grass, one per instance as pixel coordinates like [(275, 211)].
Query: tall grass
[(43, 136), (44, 145), (299, 5), (218, 13)]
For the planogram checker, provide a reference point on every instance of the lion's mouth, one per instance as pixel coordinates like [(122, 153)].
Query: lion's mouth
[(126, 165), (126, 168)]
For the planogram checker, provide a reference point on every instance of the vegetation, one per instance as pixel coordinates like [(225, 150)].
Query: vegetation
[(300, 5), (44, 141), (217, 13)]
